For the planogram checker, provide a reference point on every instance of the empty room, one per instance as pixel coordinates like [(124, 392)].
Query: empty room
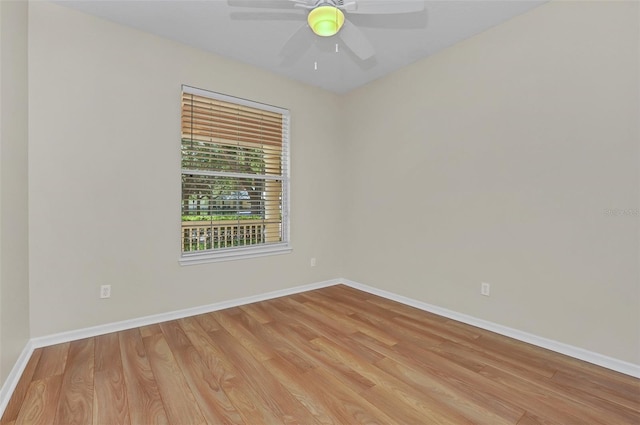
[(319, 212)]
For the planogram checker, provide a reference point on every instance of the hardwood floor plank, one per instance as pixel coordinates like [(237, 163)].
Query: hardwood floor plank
[(436, 325), (524, 355), (330, 328), (380, 318), (240, 392), (415, 336), (374, 317), (41, 402), (312, 354), (373, 314), (625, 396), (278, 343), (355, 323), (603, 406), (211, 398), (222, 369), (449, 383), (540, 357), (110, 405), (404, 310), (345, 292), (444, 395), (52, 361), (258, 312), (493, 358), (493, 393), (296, 383), (410, 402), (107, 352), (17, 398), (325, 317), (150, 330), (346, 405), (208, 323), (227, 321), (177, 399), (558, 407), (332, 303), (345, 374), (528, 420), (468, 359), (143, 396), (285, 314), (407, 407), (435, 329), (272, 394), (75, 405)]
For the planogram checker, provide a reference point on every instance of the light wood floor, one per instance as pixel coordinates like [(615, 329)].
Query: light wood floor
[(334, 355)]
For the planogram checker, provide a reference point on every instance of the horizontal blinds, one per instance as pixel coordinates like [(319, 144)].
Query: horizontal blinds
[(205, 119), (233, 173)]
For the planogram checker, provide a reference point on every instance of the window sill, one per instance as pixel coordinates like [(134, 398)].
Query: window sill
[(234, 254)]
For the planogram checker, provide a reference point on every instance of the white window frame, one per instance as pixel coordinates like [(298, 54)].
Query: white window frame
[(248, 251)]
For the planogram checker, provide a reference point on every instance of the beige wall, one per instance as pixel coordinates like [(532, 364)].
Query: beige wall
[(104, 167), (14, 283), (498, 160), (495, 160)]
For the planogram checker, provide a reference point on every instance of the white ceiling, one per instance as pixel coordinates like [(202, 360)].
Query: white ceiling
[(214, 26)]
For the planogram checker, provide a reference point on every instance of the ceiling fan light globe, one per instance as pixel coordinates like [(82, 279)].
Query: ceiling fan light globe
[(325, 28), (325, 21)]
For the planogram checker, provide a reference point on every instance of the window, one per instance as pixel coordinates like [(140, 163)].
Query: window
[(235, 178)]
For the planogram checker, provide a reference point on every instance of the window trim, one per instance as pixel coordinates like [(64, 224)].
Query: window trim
[(250, 251), (229, 254)]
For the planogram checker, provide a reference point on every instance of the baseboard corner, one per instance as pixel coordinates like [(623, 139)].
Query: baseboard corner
[(10, 384)]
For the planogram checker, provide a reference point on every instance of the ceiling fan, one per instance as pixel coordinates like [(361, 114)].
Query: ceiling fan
[(327, 18)]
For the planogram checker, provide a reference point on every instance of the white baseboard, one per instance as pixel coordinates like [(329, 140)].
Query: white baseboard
[(11, 382), (62, 337), (559, 347)]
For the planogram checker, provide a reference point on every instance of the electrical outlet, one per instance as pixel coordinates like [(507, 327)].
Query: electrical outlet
[(485, 289), (105, 291), (313, 262)]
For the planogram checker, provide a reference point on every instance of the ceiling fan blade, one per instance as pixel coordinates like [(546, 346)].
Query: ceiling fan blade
[(356, 41), (299, 42), (384, 7), (266, 16), (265, 4)]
